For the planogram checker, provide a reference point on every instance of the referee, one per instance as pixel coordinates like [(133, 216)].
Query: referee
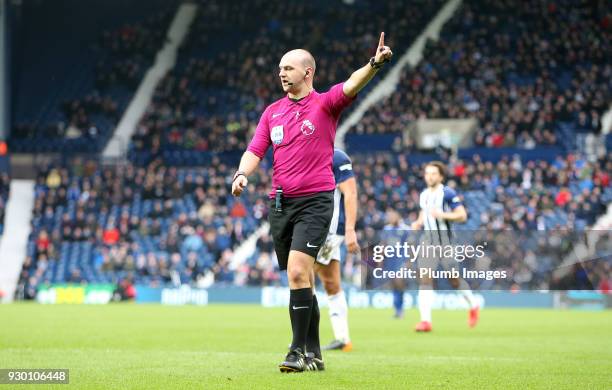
[(301, 128)]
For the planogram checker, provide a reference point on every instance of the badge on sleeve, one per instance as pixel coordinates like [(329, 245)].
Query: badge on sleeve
[(277, 134)]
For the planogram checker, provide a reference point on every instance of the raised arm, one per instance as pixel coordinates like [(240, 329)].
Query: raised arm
[(362, 76)]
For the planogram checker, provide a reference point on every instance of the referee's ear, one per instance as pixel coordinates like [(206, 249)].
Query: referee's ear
[(309, 72)]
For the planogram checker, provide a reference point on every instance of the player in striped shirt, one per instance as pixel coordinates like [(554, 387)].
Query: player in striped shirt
[(440, 208)]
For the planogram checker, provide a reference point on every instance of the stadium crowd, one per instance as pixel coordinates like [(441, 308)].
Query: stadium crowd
[(521, 195), (79, 121), (543, 206), (82, 122), (528, 71), (155, 225), (129, 49), (163, 225), (523, 69), (205, 106)]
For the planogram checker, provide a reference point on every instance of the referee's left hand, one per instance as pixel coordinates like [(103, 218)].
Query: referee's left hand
[(239, 185), (383, 53)]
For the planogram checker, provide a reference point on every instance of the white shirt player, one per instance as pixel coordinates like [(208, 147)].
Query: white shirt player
[(438, 231), (441, 198)]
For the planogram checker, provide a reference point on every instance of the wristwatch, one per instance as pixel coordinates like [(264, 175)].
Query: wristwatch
[(238, 173), (377, 65)]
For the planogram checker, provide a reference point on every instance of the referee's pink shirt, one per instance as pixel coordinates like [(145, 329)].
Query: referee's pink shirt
[(302, 137)]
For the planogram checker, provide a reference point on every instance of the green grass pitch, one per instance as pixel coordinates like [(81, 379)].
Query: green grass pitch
[(129, 346)]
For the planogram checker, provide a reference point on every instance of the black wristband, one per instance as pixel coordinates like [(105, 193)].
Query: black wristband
[(239, 173), (377, 65), (374, 64)]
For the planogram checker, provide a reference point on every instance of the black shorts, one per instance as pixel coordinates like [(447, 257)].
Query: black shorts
[(302, 225)]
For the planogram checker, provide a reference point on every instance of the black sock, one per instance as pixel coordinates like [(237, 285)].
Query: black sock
[(300, 307), (312, 341)]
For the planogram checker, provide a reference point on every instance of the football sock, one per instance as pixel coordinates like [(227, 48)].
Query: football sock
[(312, 340), (464, 289), (300, 308), (426, 296), (398, 301), (338, 315)]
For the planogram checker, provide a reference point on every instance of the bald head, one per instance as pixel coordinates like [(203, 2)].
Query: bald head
[(300, 56), (296, 71)]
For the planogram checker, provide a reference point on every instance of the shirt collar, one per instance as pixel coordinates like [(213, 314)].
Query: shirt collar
[(302, 100)]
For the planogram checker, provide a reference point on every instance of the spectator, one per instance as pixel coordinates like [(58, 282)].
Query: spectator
[(111, 235)]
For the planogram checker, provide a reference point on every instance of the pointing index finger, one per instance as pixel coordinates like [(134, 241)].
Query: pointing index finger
[(381, 41)]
